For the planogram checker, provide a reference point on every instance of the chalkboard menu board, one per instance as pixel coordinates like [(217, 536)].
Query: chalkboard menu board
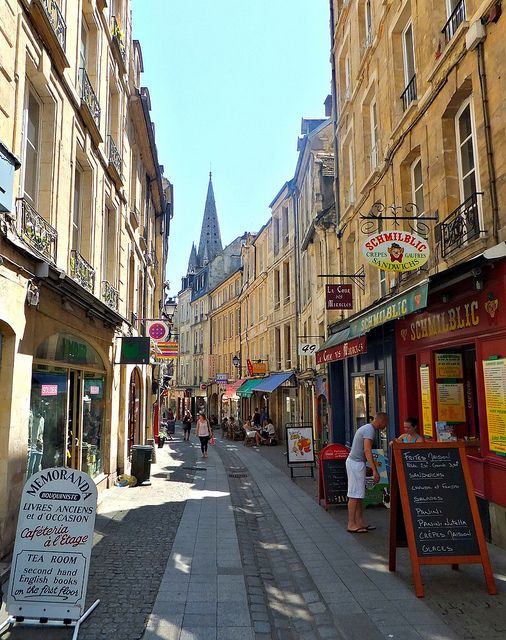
[(332, 478), (431, 490), (335, 481), (440, 510)]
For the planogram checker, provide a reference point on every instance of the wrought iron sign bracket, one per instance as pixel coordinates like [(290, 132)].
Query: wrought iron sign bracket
[(358, 278), (372, 222)]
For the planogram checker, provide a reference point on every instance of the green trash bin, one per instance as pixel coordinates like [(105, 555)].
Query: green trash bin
[(141, 462)]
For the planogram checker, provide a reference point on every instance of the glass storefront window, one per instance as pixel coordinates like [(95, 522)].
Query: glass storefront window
[(47, 418), (69, 349), (93, 421)]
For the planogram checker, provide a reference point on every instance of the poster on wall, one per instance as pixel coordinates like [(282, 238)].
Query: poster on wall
[(449, 365), (300, 445), (494, 377), (450, 402), (426, 401), (54, 536)]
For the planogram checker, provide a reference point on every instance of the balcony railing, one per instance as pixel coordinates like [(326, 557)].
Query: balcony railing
[(55, 17), (89, 97), (458, 15), (115, 156), (35, 231), (118, 37), (110, 295), (82, 271), (461, 226), (409, 94)]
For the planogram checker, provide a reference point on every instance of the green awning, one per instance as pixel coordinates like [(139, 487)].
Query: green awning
[(246, 389), (335, 339)]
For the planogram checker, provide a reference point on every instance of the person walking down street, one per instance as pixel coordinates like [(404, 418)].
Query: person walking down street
[(256, 419), (187, 424), (204, 432), (360, 453), (171, 424)]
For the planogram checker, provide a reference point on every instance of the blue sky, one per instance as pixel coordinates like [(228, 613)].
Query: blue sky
[(229, 82)]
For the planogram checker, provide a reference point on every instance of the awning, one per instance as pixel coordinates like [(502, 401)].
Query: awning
[(335, 339), (231, 389), (246, 389), (272, 382)]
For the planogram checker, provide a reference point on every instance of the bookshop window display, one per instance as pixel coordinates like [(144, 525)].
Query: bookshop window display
[(67, 407)]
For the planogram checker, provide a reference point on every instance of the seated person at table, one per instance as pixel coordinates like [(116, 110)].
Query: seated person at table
[(267, 433), (410, 435)]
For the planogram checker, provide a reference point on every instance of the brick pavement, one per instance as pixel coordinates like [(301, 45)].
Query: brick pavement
[(134, 532)]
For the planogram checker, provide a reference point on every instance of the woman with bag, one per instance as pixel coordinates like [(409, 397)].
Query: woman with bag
[(204, 432)]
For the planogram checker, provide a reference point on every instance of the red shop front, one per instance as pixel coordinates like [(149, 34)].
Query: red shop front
[(451, 370)]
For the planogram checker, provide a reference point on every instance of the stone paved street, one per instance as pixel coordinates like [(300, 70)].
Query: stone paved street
[(231, 548)]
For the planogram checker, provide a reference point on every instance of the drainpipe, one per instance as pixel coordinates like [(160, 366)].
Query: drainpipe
[(334, 113), (488, 142)]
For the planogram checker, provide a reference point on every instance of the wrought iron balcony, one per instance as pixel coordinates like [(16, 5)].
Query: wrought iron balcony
[(82, 271), (118, 37), (55, 17), (89, 97), (114, 156), (110, 295), (409, 94), (35, 231), (460, 227), (458, 15)]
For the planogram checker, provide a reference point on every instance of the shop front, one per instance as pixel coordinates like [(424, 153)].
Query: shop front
[(230, 400), (67, 407), (276, 397), (362, 367), (322, 409), (451, 361)]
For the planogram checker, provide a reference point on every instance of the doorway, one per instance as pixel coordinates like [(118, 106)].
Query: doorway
[(134, 410)]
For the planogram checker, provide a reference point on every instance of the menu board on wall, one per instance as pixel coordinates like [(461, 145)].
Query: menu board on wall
[(494, 376), (426, 400), (450, 402), (449, 365)]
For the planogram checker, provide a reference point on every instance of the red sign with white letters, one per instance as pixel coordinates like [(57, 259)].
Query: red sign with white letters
[(339, 296), (341, 351)]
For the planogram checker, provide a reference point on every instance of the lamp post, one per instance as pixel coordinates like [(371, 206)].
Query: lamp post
[(236, 361)]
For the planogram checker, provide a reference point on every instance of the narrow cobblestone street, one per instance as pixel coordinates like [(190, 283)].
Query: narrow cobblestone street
[(230, 547)]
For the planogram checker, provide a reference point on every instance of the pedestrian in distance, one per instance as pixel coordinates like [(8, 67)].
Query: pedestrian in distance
[(204, 432), (360, 453), (410, 435), (187, 424), (171, 424), (256, 419)]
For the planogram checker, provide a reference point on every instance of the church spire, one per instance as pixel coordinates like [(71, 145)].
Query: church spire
[(210, 238), (193, 262)]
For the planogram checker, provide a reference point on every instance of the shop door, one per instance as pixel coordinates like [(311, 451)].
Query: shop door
[(74, 428), (134, 410), (369, 397)]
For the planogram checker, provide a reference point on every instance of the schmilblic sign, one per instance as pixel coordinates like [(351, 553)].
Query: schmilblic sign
[(396, 251)]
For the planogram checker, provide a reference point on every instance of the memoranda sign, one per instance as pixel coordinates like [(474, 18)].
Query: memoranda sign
[(396, 251), (54, 537)]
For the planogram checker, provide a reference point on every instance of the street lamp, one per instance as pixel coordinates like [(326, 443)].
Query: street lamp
[(169, 308), (236, 361)]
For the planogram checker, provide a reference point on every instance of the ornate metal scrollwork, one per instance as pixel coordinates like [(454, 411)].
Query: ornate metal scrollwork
[(397, 215)]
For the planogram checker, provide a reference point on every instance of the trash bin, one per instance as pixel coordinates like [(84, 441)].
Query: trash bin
[(141, 462)]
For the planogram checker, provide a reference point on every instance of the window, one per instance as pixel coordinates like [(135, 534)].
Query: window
[(408, 48), (417, 185), (83, 45), (382, 283), (277, 347), (286, 281), (31, 149), (77, 209), (261, 303), (456, 12), (368, 23), (374, 135), (277, 291), (288, 347), (285, 225), (350, 195), (276, 235), (347, 78), (108, 239), (466, 155)]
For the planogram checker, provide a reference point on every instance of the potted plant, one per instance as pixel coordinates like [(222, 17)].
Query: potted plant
[(161, 439)]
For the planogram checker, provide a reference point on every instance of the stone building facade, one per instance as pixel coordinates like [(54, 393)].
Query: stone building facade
[(84, 222)]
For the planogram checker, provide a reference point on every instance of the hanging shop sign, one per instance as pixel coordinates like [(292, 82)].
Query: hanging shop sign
[(426, 400), (448, 365), (341, 351), (54, 537), (399, 251), (221, 378), (338, 296), (256, 368), (157, 329), (308, 348), (494, 376), (135, 350)]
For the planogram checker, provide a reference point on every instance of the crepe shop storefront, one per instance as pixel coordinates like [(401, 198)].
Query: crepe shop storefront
[(451, 366)]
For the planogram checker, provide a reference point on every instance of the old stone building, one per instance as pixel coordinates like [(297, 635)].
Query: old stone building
[(420, 117), (84, 222)]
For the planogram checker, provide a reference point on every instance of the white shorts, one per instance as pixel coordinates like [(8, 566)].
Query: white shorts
[(356, 478)]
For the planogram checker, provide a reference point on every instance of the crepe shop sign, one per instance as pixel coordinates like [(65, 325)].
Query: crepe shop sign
[(396, 251)]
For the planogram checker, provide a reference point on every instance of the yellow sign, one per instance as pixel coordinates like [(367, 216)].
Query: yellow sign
[(258, 368), (396, 251), (494, 376), (426, 401), (449, 365), (450, 402)]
